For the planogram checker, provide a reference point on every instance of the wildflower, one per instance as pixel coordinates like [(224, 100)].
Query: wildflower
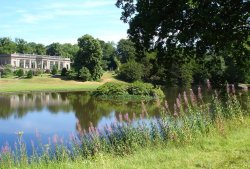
[(233, 88), (166, 105), (120, 117), (192, 97), (209, 87), (144, 110), (20, 133), (55, 139), (79, 128), (126, 117), (178, 103), (175, 110), (134, 116), (199, 93), (37, 134), (227, 88), (216, 94), (185, 98), (5, 149)]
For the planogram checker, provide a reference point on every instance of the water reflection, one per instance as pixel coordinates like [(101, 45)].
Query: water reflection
[(54, 107)]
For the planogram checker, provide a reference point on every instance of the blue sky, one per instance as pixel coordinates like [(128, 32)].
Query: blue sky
[(48, 21)]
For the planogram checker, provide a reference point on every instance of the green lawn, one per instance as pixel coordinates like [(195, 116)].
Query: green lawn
[(230, 151), (47, 83)]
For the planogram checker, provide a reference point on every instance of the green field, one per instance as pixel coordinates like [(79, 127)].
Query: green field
[(48, 83)]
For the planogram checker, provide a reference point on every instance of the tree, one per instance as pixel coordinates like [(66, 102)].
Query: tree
[(126, 50), (20, 73), (54, 49), (22, 46), (7, 46), (29, 74), (192, 28), (109, 54), (54, 70), (89, 56), (40, 49), (85, 74), (131, 71), (64, 72), (69, 50)]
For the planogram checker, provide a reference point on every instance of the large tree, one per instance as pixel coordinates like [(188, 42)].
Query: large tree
[(89, 56), (196, 28), (109, 55), (7, 46), (126, 50), (54, 49)]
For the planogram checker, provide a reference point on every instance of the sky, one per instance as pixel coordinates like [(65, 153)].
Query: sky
[(63, 21)]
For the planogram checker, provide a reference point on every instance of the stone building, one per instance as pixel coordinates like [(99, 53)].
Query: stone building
[(32, 61)]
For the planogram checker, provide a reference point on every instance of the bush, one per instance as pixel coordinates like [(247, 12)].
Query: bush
[(29, 74), (131, 71), (84, 74), (20, 72), (37, 72), (63, 72), (71, 75), (143, 90), (111, 89), (54, 70), (7, 71)]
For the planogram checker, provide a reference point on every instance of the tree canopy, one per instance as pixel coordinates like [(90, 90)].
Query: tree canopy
[(210, 32), (89, 56)]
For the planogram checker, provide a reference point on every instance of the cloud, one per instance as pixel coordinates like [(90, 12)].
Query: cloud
[(34, 18)]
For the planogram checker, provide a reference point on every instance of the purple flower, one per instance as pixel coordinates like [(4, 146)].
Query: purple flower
[(185, 98), (178, 103), (199, 93), (233, 88), (120, 117), (175, 110), (192, 97), (209, 87), (55, 139)]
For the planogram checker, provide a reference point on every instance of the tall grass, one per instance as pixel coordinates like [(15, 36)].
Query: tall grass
[(190, 118)]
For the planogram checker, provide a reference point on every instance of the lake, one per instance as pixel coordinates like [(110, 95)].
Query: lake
[(52, 114)]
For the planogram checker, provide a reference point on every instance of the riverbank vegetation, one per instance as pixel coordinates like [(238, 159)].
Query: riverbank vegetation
[(213, 129)]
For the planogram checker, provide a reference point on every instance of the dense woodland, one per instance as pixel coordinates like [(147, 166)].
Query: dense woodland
[(171, 43)]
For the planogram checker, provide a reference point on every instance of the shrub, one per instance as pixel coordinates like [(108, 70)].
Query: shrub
[(111, 89), (71, 75), (29, 74), (131, 71), (54, 70), (84, 74), (37, 72), (7, 71), (63, 72), (20, 72), (140, 89)]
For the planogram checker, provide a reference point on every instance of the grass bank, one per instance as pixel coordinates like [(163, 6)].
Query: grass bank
[(48, 83), (228, 151)]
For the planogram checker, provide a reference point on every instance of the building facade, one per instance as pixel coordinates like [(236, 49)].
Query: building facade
[(32, 61)]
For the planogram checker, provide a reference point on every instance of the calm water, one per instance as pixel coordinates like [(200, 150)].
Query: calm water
[(58, 113)]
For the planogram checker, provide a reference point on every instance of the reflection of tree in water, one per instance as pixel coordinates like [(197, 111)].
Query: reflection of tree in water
[(19, 105), (5, 109), (89, 109)]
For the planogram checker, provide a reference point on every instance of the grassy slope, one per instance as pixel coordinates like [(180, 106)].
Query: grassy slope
[(215, 151), (47, 83)]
